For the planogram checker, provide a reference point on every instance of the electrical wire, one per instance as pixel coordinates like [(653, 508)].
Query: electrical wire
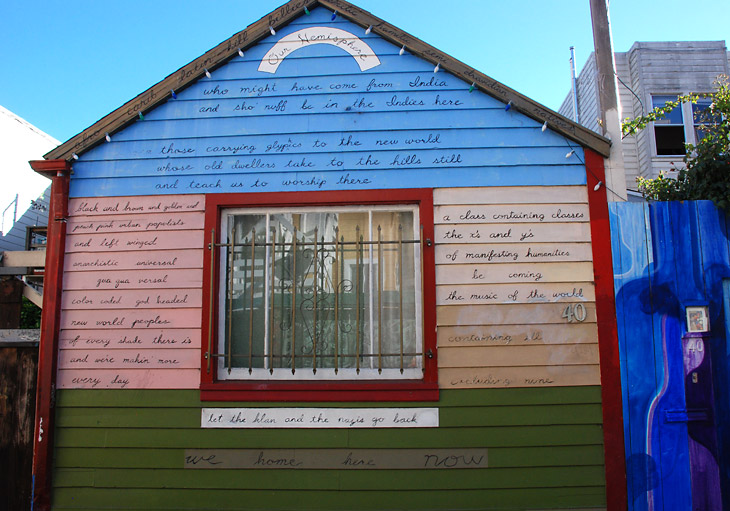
[(575, 153)]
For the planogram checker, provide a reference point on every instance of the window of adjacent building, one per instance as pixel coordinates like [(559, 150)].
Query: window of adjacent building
[(702, 117), (669, 131), (310, 296)]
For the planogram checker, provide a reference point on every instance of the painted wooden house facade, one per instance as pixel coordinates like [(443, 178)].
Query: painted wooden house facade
[(327, 266)]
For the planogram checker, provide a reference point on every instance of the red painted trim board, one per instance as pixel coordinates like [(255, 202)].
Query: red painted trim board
[(59, 171), (613, 435), (425, 390)]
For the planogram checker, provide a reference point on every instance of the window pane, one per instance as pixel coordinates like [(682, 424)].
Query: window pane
[(703, 117), (396, 308), (338, 295), (700, 110), (303, 311), (669, 140), (245, 291), (674, 117)]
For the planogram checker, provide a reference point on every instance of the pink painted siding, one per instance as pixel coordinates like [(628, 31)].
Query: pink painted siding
[(131, 306), (133, 242), (133, 279), (128, 338), (127, 378), (143, 260)]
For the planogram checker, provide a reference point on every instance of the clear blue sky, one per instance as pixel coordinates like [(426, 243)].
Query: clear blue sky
[(66, 64)]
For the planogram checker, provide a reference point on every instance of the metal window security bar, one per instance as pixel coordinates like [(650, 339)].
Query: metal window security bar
[(318, 295)]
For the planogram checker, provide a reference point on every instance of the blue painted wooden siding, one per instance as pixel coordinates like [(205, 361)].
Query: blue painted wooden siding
[(319, 123), (668, 256)]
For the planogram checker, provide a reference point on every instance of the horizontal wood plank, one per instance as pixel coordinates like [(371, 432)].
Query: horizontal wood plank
[(510, 195), (135, 319), (578, 498), (331, 179), (436, 134), (105, 206), (133, 279), (128, 378), (468, 294), (240, 167), (535, 435), (518, 356), (415, 480), (497, 399), (513, 272), (140, 260), (126, 339), (511, 213), (133, 242), (93, 300), (173, 221), (531, 376), (513, 253), (165, 417), (521, 314), (113, 457), (507, 233), (516, 335), (166, 358)]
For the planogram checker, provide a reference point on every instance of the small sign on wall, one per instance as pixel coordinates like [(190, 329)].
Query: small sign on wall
[(336, 459), (348, 418), (698, 319)]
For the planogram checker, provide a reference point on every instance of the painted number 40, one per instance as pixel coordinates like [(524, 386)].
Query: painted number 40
[(575, 312)]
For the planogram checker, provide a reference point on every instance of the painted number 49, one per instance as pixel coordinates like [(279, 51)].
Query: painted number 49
[(575, 312)]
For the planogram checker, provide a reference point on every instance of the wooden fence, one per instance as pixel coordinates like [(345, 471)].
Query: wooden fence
[(672, 263), (18, 367)]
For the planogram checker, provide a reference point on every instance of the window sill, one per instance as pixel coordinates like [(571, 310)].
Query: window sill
[(390, 390)]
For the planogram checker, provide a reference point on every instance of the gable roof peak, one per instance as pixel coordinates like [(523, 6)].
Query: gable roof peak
[(280, 17)]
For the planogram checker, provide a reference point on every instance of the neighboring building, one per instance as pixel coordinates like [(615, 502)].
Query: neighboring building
[(650, 74), (23, 219), (329, 267), (24, 193)]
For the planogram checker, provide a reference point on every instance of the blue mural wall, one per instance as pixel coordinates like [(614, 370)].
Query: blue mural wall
[(313, 108), (669, 256)]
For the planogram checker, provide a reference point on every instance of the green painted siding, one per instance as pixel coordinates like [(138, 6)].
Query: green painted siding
[(124, 450)]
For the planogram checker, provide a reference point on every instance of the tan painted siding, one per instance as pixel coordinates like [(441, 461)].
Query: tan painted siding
[(502, 289)]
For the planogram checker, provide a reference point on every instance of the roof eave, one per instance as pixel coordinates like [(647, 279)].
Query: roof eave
[(281, 16)]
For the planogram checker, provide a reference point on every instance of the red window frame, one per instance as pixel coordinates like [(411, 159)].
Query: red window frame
[(212, 389)]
